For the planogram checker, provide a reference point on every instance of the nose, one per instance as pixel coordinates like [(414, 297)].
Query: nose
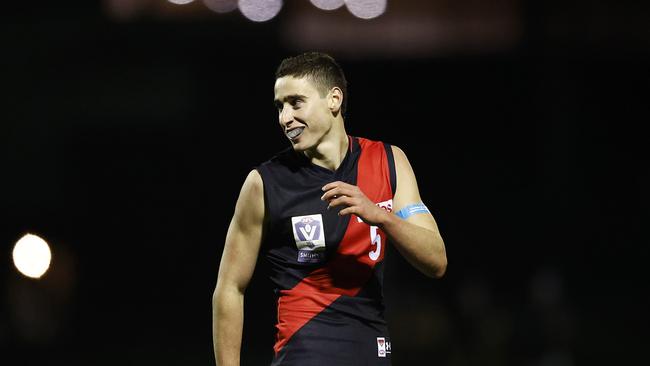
[(286, 116)]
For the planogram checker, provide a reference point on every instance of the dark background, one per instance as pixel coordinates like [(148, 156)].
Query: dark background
[(124, 142)]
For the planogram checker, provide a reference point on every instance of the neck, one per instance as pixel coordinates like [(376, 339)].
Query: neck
[(330, 153)]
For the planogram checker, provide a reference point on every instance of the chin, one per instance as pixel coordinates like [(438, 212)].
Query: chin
[(300, 145)]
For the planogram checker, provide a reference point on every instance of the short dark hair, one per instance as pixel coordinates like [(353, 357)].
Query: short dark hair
[(320, 67)]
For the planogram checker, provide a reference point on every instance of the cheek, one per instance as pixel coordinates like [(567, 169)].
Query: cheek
[(318, 115)]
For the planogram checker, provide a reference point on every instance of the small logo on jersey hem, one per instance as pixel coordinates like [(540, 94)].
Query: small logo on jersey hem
[(383, 346), (309, 235)]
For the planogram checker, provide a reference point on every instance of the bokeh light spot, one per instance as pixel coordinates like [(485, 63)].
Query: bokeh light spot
[(260, 10), (366, 9), (180, 2), (32, 256), (328, 4)]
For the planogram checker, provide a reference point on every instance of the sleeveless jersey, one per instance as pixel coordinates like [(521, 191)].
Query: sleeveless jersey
[(327, 270)]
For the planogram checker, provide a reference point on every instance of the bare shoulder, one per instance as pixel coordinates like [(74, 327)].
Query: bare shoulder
[(397, 150), (407, 188), (251, 196), (401, 161), (254, 182)]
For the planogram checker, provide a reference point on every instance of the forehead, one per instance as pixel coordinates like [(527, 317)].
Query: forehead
[(289, 85)]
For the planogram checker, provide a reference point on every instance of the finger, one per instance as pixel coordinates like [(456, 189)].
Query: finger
[(337, 192), (347, 211), (341, 201), (331, 185), (332, 193), (337, 184), (348, 190)]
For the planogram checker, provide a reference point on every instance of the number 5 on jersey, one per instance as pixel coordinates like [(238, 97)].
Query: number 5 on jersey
[(375, 239)]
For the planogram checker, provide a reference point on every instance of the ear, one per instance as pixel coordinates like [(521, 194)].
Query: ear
[(335, 99)]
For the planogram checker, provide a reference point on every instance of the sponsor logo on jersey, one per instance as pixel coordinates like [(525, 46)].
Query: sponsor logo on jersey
[(383, 346), (309, 234), (386, 205)]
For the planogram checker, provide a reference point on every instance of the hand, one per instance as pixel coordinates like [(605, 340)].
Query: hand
[(354, 201)]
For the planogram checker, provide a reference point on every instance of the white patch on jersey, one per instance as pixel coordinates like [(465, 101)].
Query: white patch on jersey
[(309, 233), (383, 346)]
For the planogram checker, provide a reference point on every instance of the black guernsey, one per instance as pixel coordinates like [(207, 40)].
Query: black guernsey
[(327, 269)]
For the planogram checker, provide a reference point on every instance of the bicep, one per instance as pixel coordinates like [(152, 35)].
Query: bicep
[(244, 236), (407, 192)]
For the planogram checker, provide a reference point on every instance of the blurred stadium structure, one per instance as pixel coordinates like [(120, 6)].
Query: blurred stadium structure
[(128, 126)]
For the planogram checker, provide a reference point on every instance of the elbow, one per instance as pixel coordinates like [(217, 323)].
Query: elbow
[(436, 271), (225, 293), (219, 294), (438, 261), (438, 267)]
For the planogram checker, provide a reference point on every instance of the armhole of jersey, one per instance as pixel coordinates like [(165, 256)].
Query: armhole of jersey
[(391, 168)]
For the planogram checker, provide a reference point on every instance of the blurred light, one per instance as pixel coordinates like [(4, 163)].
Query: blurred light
[(328, 4), (366, 9), (260, 10), (221, 6), (123, 9), (180, 2), (408, 29), (32, 256)]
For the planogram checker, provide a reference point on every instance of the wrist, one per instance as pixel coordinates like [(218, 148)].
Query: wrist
[(387, 219)]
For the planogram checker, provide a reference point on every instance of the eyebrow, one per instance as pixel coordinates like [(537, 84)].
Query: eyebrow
[(290, 98)]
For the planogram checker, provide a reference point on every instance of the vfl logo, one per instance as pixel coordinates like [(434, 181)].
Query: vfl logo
[(310, 238), (383, 347)]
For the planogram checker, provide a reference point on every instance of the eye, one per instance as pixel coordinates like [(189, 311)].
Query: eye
[(297, 103)]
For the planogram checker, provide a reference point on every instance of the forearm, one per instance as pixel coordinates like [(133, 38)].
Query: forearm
[(423, 248), (227, 325)]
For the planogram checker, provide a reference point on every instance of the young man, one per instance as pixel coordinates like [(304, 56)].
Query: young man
[(321, 213)]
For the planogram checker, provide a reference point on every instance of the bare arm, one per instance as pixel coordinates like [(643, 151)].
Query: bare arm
[(238, 261), (417, 237)]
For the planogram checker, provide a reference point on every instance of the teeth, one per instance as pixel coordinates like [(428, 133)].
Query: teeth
[(295, 132)]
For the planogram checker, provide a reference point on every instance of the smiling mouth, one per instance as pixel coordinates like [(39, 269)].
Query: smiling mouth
[(292, 134)]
